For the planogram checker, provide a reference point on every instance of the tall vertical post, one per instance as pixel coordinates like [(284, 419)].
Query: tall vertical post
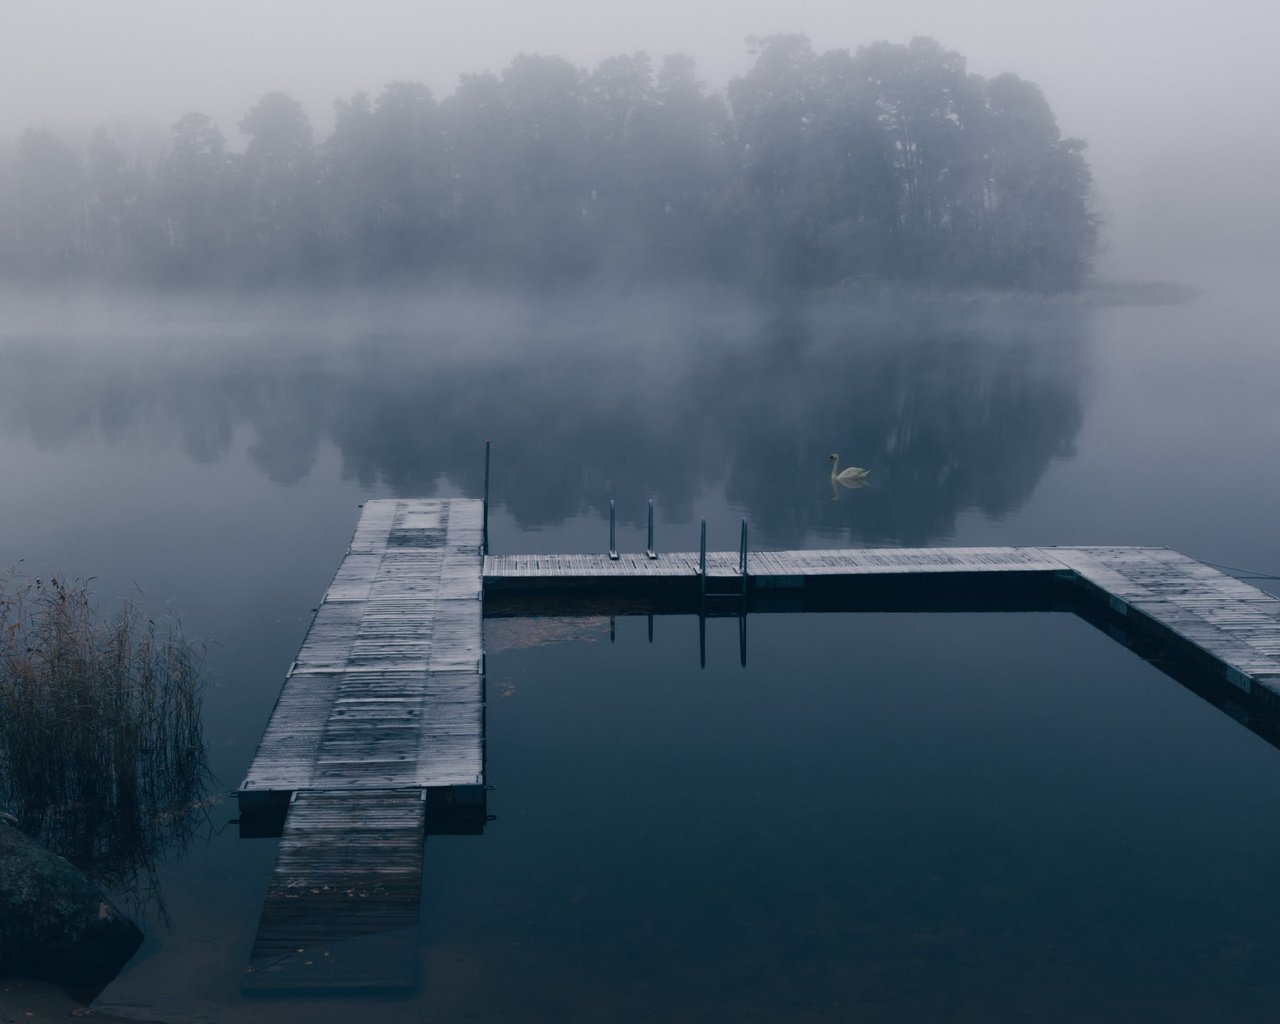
[(613, 543), (702, 558), (742, 611), (651, 551), (484, 537)]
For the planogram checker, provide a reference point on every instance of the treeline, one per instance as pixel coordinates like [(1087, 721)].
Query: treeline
[(891, 162)]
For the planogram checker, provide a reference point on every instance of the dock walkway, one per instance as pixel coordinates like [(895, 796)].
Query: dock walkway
[(377, 737), (380, 723), (765, 565), (1233, 624)]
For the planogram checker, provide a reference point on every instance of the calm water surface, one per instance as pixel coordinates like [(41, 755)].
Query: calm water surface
[(881, 817)]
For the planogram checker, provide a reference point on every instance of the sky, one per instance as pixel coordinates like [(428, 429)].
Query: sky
[(1176, 99)]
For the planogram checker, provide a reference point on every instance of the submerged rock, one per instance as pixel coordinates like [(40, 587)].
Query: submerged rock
[(55, 924)]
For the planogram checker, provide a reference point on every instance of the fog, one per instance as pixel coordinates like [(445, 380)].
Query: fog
[(261, 263), (930, 390), (1174, 99)]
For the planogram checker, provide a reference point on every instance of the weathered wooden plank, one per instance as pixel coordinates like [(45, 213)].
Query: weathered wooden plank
[(809, 562), (1227, 618), (1232, 622), (342, 905), (385, 700), (358, 710)]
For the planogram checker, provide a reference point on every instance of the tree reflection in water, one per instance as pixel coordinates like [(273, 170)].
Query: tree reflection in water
[(952, 403), (101, 742)]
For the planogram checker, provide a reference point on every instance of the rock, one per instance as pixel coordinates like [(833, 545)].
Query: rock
[(55, 924), (23, 1001)]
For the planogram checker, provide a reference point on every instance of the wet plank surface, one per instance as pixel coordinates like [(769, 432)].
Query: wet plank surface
[(384, 701), (342, 906), (1230, 621), (837, 562), (386, 690)]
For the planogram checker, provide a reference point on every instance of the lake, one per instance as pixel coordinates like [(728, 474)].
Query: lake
[(880, 817)]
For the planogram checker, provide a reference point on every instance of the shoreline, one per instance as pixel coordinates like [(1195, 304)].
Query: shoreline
[(23, 1001)]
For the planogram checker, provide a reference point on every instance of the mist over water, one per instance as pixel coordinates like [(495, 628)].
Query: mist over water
[(664, 395), (263, 264)]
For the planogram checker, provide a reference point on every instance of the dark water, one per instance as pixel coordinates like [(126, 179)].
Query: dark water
[(882, 817)]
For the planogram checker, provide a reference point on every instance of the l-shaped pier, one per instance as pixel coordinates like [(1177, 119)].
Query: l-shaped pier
[(377, 737)]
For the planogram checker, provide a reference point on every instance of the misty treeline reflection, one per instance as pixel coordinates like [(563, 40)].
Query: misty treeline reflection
[(891, 161), (949, 407)]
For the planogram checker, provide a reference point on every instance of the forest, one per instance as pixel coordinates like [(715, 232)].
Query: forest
[(888, 163)]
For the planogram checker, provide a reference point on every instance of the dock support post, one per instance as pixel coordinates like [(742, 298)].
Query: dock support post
[(702, 559), (742, 557), (613, 544), (742, 637), (651, 551), (484, 536)]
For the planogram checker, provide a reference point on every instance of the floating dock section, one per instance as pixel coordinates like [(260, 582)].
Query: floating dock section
[(377, 738), (1226, 625)]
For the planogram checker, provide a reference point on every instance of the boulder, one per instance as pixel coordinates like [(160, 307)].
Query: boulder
[(55, 924)]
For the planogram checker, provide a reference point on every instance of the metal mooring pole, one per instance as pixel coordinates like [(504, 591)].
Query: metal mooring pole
[(484, 540), (702, 558), (613, 544), (650, 550)]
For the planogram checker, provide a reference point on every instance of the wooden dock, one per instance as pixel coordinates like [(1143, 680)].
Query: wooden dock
[(1226, 623), (766, 568), (377, 738), (378, 734)]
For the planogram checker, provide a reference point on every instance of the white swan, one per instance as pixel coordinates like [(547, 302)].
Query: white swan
[(853, 476)]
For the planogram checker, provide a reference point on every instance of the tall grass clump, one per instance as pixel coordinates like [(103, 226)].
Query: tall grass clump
[(102, 754)]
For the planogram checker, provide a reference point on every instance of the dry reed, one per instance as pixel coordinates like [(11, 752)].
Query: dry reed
[(102, 754)]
